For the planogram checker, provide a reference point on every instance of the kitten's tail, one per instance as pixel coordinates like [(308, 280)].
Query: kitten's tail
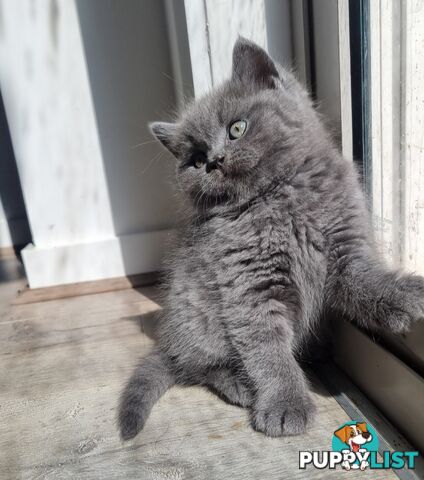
[(150, 380)]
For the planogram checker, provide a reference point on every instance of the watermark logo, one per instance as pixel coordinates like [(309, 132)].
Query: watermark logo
[(356, 441), (355, 447)]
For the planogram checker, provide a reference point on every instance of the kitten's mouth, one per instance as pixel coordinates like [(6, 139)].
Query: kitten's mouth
[(218, 170)]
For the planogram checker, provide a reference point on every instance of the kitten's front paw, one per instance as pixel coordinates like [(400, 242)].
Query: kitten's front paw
[(405, 306), (396, 321), (283, 417)]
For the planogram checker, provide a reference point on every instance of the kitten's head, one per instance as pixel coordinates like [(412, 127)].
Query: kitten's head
[(244, 135)]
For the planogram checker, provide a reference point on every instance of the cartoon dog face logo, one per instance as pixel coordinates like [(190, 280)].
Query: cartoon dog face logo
[(354, 435)]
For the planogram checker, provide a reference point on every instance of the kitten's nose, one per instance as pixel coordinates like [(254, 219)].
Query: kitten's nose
[(215, 163)]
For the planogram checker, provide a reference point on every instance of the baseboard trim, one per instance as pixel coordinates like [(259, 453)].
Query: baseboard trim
[(86, 262)]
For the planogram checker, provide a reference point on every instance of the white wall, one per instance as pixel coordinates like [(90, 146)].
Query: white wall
[(80, 81)]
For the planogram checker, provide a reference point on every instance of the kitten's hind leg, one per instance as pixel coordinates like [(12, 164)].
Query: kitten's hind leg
[(225, 383), (377, 298), (150, 380)]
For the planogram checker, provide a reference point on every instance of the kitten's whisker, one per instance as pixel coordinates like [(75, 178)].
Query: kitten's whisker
[(173, 80), (156, 157), (142, 143)]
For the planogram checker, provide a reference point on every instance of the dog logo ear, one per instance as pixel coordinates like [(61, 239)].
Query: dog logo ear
[(342, 433), (362, 426)]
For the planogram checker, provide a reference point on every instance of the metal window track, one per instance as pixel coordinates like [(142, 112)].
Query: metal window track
[(360, 408)]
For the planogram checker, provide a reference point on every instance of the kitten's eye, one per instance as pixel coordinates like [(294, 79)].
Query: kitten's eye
[(237, 129)]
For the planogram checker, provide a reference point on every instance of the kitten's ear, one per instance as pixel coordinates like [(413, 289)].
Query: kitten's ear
[(165, 133), (252, 64)]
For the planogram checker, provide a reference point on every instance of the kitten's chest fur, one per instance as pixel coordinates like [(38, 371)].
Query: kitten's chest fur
[(233, 270), (271, 252)]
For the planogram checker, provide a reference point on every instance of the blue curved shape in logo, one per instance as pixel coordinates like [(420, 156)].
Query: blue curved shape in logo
[(343, 439)]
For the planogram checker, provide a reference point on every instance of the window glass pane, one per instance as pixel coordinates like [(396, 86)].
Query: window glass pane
[(395, 180), (397, 139)]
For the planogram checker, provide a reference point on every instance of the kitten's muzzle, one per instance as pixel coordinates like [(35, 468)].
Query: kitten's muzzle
[(217, 161)]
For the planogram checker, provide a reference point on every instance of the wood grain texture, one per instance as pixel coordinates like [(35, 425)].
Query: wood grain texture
[(33, 295), (7, 253), (64, 363)]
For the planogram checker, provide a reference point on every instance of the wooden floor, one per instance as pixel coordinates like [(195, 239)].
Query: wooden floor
[(63, 364)]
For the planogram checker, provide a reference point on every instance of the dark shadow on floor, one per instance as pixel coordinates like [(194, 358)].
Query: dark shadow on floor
[(147, 323), (11, 269)]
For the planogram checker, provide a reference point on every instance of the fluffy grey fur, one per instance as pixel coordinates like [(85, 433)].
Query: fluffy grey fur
[(278, 234)]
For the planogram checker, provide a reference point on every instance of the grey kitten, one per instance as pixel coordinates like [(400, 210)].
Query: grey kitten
[(277, 235)]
